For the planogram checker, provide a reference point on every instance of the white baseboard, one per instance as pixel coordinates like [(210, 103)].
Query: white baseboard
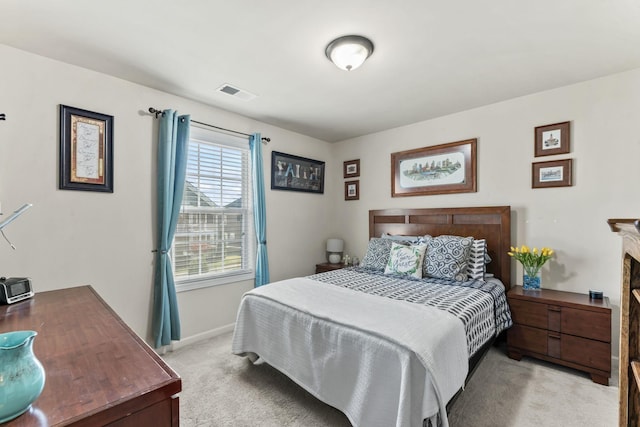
[(200, 337)]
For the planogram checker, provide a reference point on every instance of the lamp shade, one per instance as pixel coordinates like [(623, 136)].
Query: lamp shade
[(335, 245), (349, 52)]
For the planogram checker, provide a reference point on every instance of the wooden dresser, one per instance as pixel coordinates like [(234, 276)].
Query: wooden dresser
[(629, 410), (98, 371), (566, 328)]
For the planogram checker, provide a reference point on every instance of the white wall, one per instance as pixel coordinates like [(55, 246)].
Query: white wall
[(72, 238), (605, 146)]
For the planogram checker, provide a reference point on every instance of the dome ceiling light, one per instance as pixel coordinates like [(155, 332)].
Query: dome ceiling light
[(349, 52)]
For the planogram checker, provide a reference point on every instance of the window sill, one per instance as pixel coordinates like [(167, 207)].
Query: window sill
[(189, 285)]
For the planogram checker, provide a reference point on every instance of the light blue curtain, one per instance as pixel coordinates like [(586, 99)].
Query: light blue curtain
[(173, 139), (259, 210)]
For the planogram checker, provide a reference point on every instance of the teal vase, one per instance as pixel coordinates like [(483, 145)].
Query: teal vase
[(21, 374), (531, 282)]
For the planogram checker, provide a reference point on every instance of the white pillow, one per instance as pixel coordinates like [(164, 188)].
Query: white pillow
[(406, 260)]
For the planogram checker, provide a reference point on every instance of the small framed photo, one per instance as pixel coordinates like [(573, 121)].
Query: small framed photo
[(552, 139), (556, 173), (86, 150), (351, 168), (352, 190)]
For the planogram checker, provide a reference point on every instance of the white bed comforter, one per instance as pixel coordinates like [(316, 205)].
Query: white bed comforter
[(382, 362)]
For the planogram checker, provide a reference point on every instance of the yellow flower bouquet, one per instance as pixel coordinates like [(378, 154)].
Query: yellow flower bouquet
[(532, 261)]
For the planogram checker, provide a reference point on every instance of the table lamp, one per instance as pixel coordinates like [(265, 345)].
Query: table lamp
[(334, 250)]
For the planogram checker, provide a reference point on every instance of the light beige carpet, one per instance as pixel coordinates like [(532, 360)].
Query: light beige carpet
[(220, 389)]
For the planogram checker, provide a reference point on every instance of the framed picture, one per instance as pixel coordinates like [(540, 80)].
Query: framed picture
[(293, 173), (86, 150), (439, 169), (351, 168), (552, 139), (352, 190), (556, 173)]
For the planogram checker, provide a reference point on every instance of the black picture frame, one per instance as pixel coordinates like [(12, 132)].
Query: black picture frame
[(295, 173), (86, 150)]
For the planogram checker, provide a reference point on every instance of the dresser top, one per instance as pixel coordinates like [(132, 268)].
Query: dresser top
[(93, 361), (563, 298)]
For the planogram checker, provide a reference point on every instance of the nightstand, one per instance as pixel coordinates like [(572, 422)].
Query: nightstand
[(326, 266), (566, 328)]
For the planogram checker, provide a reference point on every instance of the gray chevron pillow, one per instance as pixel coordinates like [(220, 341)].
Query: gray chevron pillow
[(477, 259)]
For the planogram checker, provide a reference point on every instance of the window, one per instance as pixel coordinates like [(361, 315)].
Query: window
[(214, 235)]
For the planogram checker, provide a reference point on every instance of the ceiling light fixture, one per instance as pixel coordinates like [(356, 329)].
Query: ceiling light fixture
[(349, 52)]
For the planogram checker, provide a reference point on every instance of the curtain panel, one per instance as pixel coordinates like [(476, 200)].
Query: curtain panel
[(259, 210), (173, 139)]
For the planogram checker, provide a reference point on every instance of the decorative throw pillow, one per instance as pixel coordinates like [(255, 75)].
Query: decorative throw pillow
[(406, 260), (447, 257), (401, 238), (377, 254), (424, 240), (477, 259)]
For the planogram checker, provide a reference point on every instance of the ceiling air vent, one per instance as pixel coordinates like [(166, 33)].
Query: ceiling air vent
[(236, 92)]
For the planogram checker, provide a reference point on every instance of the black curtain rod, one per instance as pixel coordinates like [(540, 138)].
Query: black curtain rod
[(159, 112)]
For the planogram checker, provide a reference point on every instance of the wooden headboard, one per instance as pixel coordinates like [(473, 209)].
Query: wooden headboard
[(492, 223)]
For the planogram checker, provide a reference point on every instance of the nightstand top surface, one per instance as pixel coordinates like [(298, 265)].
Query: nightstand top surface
[(551, 296), (329, 264)]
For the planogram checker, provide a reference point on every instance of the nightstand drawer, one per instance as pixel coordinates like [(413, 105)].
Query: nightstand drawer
[(587, 324), (566, 328), (529, 313), (526, 338), (594, 354)]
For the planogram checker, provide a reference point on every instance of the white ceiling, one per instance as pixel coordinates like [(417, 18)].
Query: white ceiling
[(432, 57)]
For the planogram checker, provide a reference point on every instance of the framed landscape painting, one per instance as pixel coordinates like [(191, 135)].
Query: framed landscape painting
[(556, 173), (351, 168), (439, 169)]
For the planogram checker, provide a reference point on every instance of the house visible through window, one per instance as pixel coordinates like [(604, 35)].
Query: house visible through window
[(214, 238)]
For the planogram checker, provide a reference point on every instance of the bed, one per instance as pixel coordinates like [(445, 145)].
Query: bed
[(387, 349)]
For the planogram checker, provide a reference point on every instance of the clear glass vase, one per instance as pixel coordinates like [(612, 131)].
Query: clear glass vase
[(531, 281)]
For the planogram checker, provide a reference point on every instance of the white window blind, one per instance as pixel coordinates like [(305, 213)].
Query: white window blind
[(214, 236)]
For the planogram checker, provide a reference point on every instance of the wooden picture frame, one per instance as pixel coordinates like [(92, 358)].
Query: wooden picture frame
[(295, 173), (552, 139), (439, 169), (555, 173), (86, 150), (351, 168), (352, 190)]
